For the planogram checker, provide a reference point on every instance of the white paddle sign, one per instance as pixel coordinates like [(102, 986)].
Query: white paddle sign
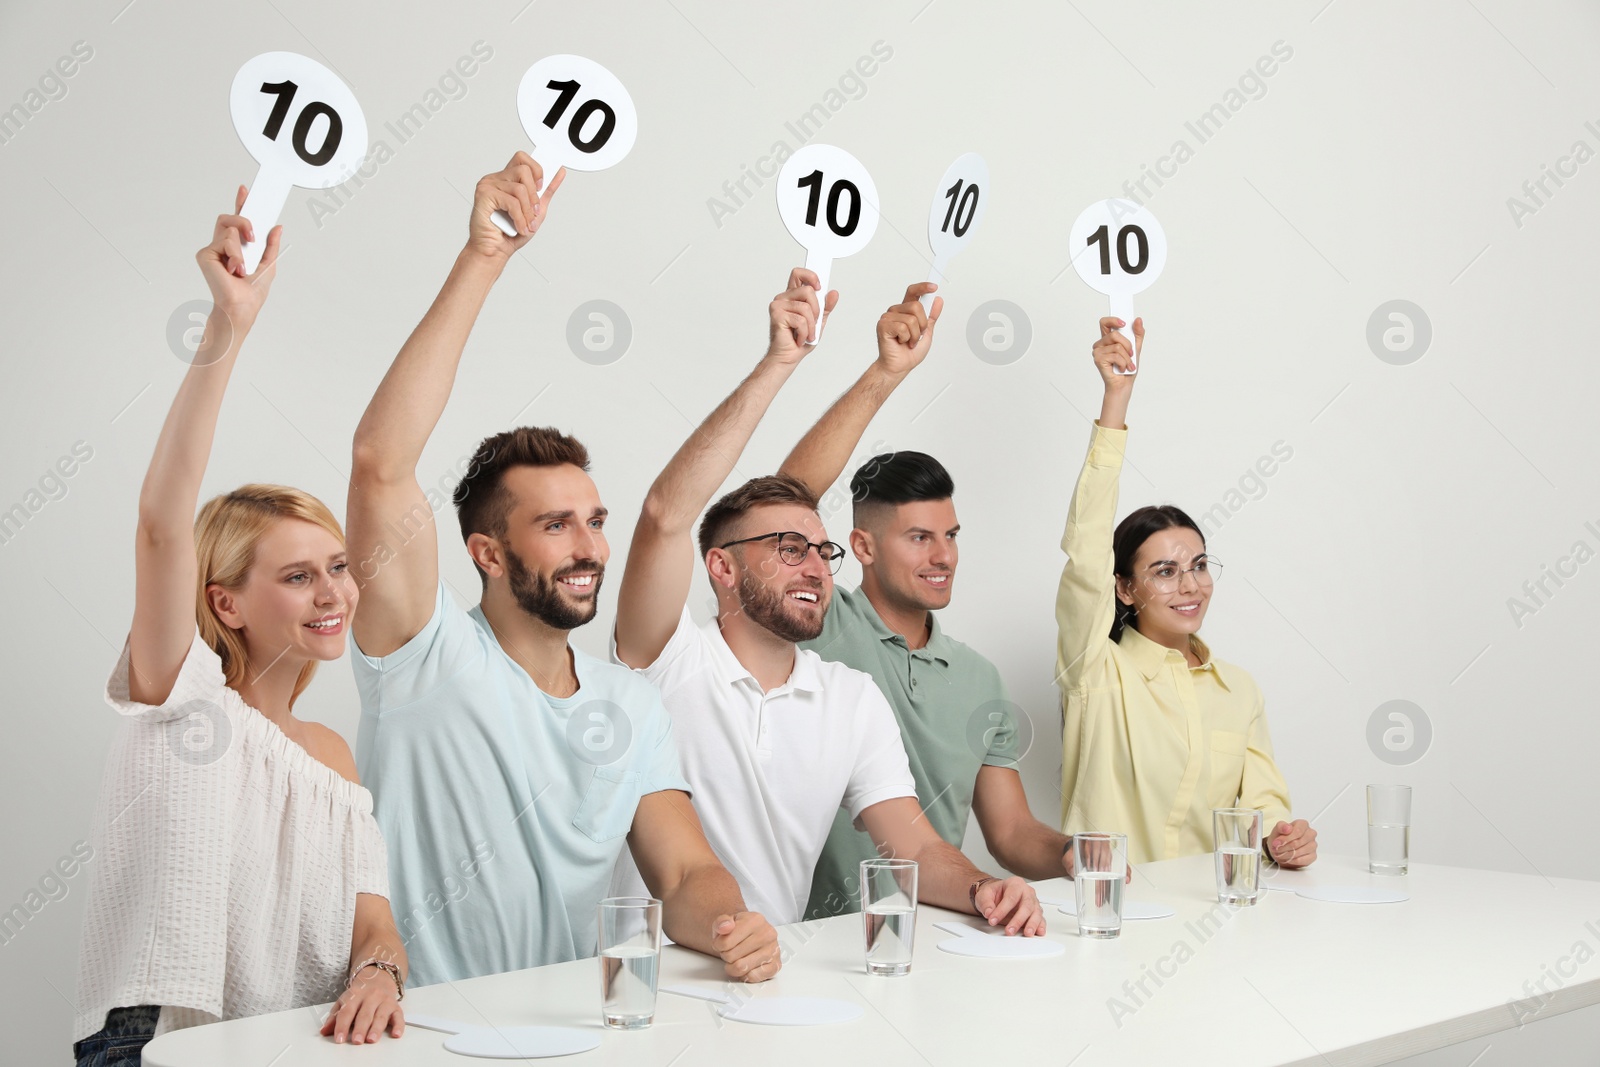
[(578, 116), (302, 124), (959, 202), (830, 206), (1119, 249)]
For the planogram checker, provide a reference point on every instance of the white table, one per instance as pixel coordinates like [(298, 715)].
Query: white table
[(1289, 981)]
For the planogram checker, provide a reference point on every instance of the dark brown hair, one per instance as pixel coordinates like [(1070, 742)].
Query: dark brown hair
[(772, 489), (482, 501)]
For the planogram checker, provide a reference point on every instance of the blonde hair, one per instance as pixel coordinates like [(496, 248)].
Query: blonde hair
[(226, 534)]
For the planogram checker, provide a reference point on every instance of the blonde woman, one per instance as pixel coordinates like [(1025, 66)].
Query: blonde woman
[(239, 869), (1157, 731)]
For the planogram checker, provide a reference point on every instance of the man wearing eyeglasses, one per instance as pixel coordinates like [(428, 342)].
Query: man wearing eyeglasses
[(959, 729), (773, 739)]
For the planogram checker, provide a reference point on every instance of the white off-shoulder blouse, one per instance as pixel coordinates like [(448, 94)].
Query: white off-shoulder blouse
[(227, 861)]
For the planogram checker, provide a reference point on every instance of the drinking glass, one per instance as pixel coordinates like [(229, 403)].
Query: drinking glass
[(1238, 855), (1388, 829), (889, 913), (1100, 865), (630, 951)]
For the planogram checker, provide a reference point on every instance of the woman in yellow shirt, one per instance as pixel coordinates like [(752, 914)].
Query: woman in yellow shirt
[(1156, 732)]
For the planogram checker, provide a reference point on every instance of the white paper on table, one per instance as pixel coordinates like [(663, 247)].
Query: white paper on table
[(774, 1011), (1354, 894), (994, 944), (1131, 909), (1337, 879), (508, 1042)]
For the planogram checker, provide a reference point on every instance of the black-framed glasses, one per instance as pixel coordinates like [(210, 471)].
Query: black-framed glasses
[(793, 548)]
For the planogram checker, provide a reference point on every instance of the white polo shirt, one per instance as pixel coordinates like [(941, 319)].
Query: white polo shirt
[(768, 770)]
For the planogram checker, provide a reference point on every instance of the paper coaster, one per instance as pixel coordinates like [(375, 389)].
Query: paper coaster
[(1131, 909), (1353, 894), (521, 1042), (999, 947), (791, 1011)]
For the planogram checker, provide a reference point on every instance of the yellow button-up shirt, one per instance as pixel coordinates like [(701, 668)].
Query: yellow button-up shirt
[(1150, 744)]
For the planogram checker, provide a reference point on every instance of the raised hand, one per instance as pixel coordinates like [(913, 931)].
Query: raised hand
[(794, 314), (905, 331), (1111, 352), (236, 294), (520, 191)]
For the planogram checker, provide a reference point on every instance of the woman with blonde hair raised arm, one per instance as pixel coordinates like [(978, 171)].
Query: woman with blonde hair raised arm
[(238, 868), (1157, 733)]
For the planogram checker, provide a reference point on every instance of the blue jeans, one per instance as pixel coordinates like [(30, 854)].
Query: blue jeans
[(120, 1044)]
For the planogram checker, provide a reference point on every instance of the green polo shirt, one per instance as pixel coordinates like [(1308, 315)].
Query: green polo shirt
[(953, 716)]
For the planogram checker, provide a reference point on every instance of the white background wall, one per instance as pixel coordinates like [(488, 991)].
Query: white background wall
[(1375, 164)]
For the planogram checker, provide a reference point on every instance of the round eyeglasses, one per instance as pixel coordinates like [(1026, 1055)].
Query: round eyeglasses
[(1166, 576), (793, 548)]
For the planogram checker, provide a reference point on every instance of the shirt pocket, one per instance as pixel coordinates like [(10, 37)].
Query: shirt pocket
[(606, 811), (1227, 762)]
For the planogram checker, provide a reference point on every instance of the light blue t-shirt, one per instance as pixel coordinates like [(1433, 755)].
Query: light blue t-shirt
[(504, 808)]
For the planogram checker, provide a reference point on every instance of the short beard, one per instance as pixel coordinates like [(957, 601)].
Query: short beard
[(541, 597), (765, 608)]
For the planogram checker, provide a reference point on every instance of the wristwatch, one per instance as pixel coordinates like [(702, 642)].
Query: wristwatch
[(972, 890)]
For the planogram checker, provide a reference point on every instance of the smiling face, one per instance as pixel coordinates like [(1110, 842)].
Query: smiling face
[(296, 600), (553, 551), (789, 602), (908, 553), (1164, 589)]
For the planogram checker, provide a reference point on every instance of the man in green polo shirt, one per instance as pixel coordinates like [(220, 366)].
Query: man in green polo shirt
[(959, 730)]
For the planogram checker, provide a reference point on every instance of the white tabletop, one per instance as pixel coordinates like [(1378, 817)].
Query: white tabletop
[(1291, 980)]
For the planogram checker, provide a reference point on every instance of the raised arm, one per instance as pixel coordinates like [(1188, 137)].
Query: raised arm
[(905, 333), (655, 584), (1086, 599), (166, 571), (399, 572)]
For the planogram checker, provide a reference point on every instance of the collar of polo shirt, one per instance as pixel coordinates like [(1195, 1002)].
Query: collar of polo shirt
[(803, 676), (938, 646)]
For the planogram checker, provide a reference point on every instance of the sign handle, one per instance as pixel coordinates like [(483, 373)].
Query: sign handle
[(820, 265), (262, 206), (936, 276), (1122, 308)]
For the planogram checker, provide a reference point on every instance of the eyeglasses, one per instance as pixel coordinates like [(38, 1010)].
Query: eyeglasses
[(793, 549), (1167, 577)]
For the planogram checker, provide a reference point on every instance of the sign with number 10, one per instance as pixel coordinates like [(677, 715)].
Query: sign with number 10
[(1119, 249), (578, 116), (828, 203), (302, 124), (959, 201)]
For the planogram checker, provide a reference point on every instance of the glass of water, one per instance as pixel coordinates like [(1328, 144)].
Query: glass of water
[(630, 949), (1238, 834), (1100, 863), (889, 913), (1388, 829)]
